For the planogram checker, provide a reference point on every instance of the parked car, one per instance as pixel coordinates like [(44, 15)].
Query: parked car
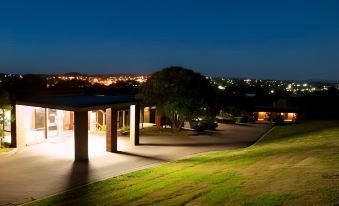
[(201, 125)]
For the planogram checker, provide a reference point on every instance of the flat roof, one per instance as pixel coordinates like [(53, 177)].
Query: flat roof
[(80, 102)]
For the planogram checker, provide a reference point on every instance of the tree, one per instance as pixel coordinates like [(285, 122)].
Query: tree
[(4, 106), (180, 94)]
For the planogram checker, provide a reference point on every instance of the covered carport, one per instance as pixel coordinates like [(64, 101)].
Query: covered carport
[(80, 105)]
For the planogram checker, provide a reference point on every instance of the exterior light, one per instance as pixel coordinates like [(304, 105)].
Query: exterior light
[(221, 87)]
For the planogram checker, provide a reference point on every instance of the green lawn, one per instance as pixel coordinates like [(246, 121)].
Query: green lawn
[(5, 149), (292, 165)]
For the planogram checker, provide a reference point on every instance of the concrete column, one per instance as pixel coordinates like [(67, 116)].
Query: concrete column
[(134, 124), (13, 126), (81, 135), (20, 126), (111, 130)]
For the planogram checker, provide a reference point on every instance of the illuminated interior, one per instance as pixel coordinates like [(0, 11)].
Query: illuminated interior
[(288, 117), (262, 116), (39, 124)]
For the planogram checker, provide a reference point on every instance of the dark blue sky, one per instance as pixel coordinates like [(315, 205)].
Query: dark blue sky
[(257, 39)]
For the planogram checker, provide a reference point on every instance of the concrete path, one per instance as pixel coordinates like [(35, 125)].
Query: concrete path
[(48, 168)]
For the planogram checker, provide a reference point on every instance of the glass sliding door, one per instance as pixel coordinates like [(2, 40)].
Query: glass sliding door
[(35, 124), (60, 123), (52, 123)]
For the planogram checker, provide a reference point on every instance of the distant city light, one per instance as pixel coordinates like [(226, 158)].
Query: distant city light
[(221, 83)]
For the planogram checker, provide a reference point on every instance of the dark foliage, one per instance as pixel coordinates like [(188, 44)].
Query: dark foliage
[(180, 94)]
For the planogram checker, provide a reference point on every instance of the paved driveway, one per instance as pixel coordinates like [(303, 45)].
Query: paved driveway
[(48, 168)]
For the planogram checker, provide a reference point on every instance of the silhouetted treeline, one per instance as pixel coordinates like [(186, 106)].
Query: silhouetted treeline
[(321, 105), (316, 105)]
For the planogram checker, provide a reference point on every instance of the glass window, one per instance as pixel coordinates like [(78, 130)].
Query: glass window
[(39, 119)]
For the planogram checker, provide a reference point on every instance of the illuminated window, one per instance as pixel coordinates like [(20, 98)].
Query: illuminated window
[(262, 116), (39, 119)]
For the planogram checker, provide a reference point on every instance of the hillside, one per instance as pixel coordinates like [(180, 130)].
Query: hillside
[(291, 165)]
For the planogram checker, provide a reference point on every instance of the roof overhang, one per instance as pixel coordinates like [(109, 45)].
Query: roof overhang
[(80, 102)]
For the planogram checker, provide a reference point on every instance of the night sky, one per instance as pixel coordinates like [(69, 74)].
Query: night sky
[(294, 40)]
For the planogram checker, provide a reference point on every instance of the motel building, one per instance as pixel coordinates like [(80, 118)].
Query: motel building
[(289, 115), (43, 118)]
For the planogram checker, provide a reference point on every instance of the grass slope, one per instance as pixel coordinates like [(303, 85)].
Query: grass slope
[(292, 165)]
